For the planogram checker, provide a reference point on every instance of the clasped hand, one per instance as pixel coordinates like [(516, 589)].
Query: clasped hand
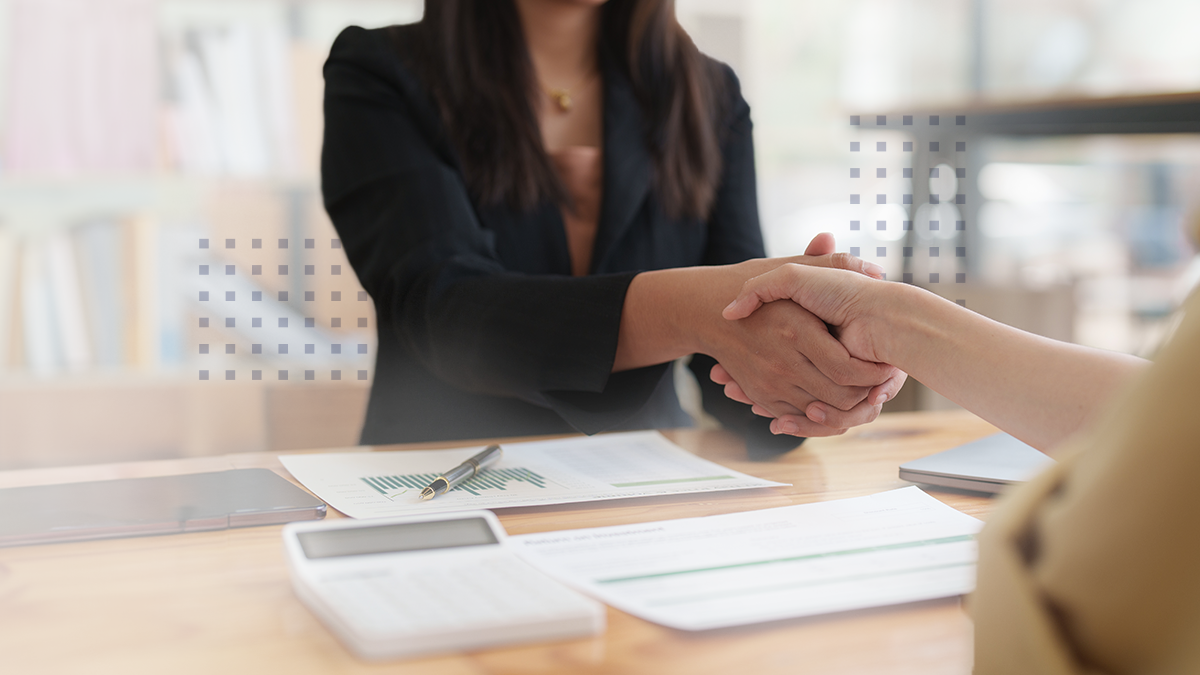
[(789, 365)]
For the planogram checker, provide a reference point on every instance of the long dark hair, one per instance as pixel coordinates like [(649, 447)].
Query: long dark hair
[(474, 59)]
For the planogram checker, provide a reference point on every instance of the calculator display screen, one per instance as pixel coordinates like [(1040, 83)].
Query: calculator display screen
[(396, 538)]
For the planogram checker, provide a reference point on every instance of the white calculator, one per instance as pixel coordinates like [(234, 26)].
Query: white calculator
[(419, 586)]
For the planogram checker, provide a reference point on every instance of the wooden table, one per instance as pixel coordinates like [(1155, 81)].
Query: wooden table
[(220, 603)]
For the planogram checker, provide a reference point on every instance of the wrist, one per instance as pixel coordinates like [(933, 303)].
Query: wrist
[(911, 321), (690, 300), (894, 321), (700, 295), (664, 316)]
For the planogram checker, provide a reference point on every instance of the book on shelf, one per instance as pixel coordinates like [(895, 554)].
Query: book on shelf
[(83, 95), (232, 109), (102, 294), (102, 259), (142, 275), (66, 302), (121, 293), (39, 331), (129, 89), (9, 273), (86, 95)]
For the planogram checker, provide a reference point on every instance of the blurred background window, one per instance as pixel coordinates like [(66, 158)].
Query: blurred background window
[(170, 284)]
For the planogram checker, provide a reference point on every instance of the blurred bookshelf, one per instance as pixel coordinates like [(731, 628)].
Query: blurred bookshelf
[(143, 139), (168, 274)]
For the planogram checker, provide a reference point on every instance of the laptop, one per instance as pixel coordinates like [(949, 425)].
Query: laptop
[(989, 464), (129, 507)]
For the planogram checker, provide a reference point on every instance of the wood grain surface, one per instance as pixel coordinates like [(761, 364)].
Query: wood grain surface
[(220, 603)]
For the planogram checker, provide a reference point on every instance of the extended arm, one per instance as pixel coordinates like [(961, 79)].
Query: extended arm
[(785, 356), (583, 346), (1037, 389), (771, 353)]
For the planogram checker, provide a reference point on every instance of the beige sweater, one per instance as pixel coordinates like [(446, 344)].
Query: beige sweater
[(1094, 566)]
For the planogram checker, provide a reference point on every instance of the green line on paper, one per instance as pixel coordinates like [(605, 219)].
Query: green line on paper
[(672, 480), (813, 556), (820, 582)]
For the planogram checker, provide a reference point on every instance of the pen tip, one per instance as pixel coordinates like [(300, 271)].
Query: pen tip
[(426, 494)]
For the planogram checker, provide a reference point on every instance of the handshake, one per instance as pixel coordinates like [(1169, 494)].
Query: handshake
[(826, 343), (811, 353), (819, 342)]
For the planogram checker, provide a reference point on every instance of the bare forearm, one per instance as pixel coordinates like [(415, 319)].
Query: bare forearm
[(665, 310), (652, 319), (1037, 389)]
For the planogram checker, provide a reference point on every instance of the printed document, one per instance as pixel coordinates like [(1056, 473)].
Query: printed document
[(780, 563), (560, 471)]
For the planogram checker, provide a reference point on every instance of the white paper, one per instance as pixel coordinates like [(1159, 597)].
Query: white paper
[(741, 568), (583, 469)]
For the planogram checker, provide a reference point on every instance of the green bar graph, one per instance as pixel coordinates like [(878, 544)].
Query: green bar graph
[(491, 479)]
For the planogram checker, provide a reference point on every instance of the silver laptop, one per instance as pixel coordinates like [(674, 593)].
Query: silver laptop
[(987, 465)]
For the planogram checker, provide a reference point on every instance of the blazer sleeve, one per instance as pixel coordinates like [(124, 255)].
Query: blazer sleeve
[(400, 205)]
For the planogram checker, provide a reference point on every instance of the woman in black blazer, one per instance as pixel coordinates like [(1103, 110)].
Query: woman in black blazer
[(484, 330)]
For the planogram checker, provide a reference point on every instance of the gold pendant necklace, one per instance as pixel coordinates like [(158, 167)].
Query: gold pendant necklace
[(562, 97)]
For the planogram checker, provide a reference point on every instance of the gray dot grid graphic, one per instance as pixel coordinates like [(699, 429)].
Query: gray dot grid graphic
[(274, 326), (910, 247)]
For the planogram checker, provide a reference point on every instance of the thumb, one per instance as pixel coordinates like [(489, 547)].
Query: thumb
[(822, 244)]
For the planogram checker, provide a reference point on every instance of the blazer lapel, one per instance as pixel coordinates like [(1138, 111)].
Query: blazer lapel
[(628, 166)]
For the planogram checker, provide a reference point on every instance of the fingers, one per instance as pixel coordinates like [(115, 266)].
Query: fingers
[(821, 419), (787, 281), (829, 416), (781, 283), (834, 361), (887, 391), (823, 413), (777, 409), (783, 358), (824, 245), (734, 391), (822, 292), (719, 375), (799, 425), (846, 261)]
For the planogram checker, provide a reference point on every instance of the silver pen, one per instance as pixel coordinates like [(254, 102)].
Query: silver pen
[(466, 470)]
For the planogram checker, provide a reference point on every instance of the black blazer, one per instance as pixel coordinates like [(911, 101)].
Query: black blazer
[(483, 332)]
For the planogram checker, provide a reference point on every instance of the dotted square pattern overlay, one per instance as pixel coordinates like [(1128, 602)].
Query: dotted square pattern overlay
[(300, 334), (913, 233)]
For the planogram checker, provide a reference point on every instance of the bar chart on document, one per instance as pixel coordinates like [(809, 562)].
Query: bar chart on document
[(609, 466), (495, 479)]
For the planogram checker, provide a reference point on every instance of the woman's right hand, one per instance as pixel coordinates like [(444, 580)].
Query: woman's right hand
[(783, 358), (826, 419), (843, 300), (848, 302), (783, 361)]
